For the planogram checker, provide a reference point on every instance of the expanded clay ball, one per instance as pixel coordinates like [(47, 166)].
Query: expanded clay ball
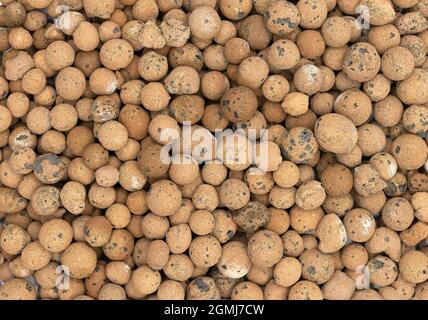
[(103, 81), (63, 117), (378, 88), (116, 54), (252, 72), (287, 272), (339, 287), (410, 151), (112, 291), (310, 195), (119, 246), (247, 291), (417, 200), (317, 267), (336, 133), (85, 36), (311, 44), (300, 145), (118, 272), (107, 176), (202, 288), (157, 254), (295, 103), (265, 248), (171, 290), (385, 164), (112, 135), (152, 66), (367, 180), (411, 23), (355, 105), (214, 58), (282, 17), (252, 216), (183, 169), (59, 54), (239, 104), (383, 270), (179, 238), (34, 81), (362, 62), (397, 214), (305, 221), (205, 251), (382, 12), (336, 31), (164, 198), (14, 239), (330, 177), (73, 196), (414, 119), (224, 226), (214, 172), (49, 168), (413, 89), (236, 50), (360, 225), (154, 96), (201, 222), (259, 182), (275, 88), (143, 281), (205, 197), (182, 80), (22, 160), (305, 290), (213, 85), (97, 231), (179, 267), (234, 193), (397, 63), (204, 23), (55, 235), (70, 83), (34, 256), (236, 152), (287, 175), (313, 13), (18, 289), (81, 260), (101, 197), (16, 67), (416, 46), (45, 200), (413, 266), (384, 37), (234, 262), (371, 139), (283, 55)]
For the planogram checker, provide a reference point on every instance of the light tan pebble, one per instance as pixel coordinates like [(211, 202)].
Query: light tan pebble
[(305, 290), (151, 36), (265, 248), (339, 287), (332, 234), (336, 133), (310, 195), (234, 262)]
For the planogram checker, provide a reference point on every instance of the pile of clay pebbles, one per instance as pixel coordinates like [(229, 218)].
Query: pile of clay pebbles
[(213, 149)]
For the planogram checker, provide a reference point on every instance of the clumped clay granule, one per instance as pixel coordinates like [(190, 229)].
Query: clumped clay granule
[(214, 149)]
